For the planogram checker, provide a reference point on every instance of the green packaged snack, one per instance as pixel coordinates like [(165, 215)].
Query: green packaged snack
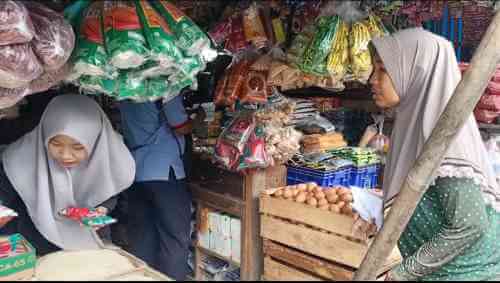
[(96, 84), (160, 38), (131, 84), (90, 56), (158, 87), (190, 66), (299, 45), (102, 220), (314, 59), (189, 37), (125, 42)]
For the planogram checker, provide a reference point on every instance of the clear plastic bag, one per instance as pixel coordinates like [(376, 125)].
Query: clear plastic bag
[(18, 65), (15, 24), (350, 11), (54, 40)]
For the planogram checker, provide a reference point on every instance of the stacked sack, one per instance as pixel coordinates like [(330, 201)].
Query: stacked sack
[(488, 108), (35, 45), (140, 50)]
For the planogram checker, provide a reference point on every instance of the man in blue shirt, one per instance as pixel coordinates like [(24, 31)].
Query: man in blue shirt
[(159, 202)]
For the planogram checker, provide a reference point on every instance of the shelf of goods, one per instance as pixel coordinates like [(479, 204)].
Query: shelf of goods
[(238, 196), (302, 242)]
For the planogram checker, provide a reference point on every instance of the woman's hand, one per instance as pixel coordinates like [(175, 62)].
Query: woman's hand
[(5, 220)]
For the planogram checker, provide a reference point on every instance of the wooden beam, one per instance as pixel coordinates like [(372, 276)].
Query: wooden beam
[(456, 113)]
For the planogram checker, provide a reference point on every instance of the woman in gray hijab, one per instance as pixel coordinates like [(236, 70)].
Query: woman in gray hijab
[(453, 234), (73, 158)]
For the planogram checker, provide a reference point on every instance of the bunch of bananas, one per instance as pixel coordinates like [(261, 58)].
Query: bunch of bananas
[(338, 60), (361, 62)]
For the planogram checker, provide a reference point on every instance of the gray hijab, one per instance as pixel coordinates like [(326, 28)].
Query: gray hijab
[(425, 73), (46, 188)]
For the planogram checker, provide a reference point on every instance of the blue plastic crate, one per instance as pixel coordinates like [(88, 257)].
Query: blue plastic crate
[(365, 177), (298, 175)]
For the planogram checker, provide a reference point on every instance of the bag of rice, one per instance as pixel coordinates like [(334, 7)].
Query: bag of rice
[(90, 56), (54, 39), (189, 37), (125, 42), (160, 38), (18, 65), (15, 24)]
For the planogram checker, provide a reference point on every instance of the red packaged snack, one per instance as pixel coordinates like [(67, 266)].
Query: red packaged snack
[(239, 131), (236, 80), (236, 41), (221, 32), (220, 90), (490, 102), (485, 116), (255, 155), (226, 154), (255, 88)]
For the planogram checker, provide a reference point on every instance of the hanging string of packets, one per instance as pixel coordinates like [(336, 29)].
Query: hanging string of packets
[(140, 50), (334, 48)]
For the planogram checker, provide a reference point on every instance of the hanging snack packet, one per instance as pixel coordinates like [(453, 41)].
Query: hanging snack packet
[(125, 42), (220, 90), (240, 129), (338, 59), (361, 62), (253, 27), (226, 154), (15, 24), (254, 88), (157, 87), (90, 56), (190, 66), (299, 45), (236, 80), (315, 56), (236, 41), (130, 84), (190, 37), (160, 38), (254, 154), (96, 85)]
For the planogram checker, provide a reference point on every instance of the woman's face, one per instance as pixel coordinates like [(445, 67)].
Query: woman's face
[(67, 151), (384, 93)]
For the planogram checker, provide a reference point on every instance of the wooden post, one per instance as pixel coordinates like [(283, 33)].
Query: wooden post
[(456, 113)]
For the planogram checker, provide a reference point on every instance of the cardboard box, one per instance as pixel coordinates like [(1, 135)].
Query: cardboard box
[(223, 245), (214, 222), (21, 266), (225, 226), (204, 240), (236, 239)]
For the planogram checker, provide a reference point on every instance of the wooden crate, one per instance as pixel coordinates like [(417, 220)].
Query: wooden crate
[(311, 231)]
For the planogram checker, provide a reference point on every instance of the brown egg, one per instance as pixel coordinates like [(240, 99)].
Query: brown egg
[(322, 202), (312, 202), (346, 197), (334, 208), (341, 204), (287, 193), (332, 198), (325, 207), (301, 197), (320, 195), (302, 187), (278, 193)]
